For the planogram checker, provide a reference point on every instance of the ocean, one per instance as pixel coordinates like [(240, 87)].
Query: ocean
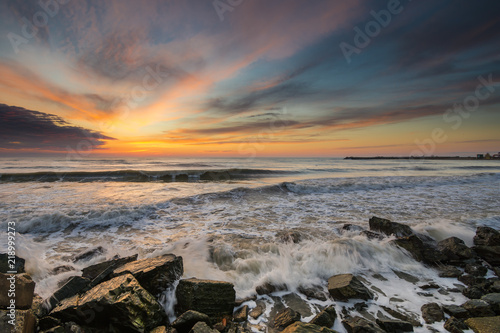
[(222, 216)]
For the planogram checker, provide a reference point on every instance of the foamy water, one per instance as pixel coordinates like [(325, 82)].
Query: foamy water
[(224, 227)]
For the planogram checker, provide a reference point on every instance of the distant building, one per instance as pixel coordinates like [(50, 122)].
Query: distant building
[(496, 156), (487, 156), (480, 156)]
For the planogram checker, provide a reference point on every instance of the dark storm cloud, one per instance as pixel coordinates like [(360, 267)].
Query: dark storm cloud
[(26, 129)]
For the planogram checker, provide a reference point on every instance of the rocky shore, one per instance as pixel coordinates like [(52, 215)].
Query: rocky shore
[(127, 294)]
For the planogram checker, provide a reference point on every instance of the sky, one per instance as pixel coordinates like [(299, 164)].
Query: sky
[(249, 77)]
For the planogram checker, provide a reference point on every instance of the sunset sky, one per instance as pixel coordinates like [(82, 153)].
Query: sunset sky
[(225, 77)]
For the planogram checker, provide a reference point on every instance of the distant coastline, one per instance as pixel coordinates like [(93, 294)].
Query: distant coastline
[(417, 158)]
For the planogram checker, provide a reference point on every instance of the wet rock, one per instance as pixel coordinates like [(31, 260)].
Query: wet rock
[(120, 302), (257, 311), (89, 254), (484, 325), (159, 329), (494, 287), (154, 274), (490, 254), (326, 317), (487, 236), (455, 250), (213, 298), (5, 265), (24, 290), (476, 269), (238, 302), (73, 286), (478, 308), (372, 235), (456, 311), (352, 227), (48, 322), (389, 228), (62, 269), (471, 280), (494, 301), (241, 315), (202, 327), (360, 325), (188, 319), (285, 318), (299, 327), (407, 277), (25, 321), (268, 288), (421, 250), (449, 272), (395, 326), (473, 292), (431, 312), (315, 292), (401, 316), (93, 271), (429, 286), (346, 286), (454, 325), (37, 307), (289, 236)]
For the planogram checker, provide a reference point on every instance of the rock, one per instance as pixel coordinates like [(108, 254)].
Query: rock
[(490, 254), (360, 325), (431, 312), (494, 287), (24, 288), (407, 277), (154, 274), (188, 319), (421, 250), (473, 292), (401, 316), (202, 327), (476, 269), (257, 311), (213, 298), (484, 325), (326, 317), (285, 318), (471, 280), (352, 227), (455, 250), (372, 235), (25, 321), (48, 322), (38, 309), (62, 269), (346, 286), (289, 236), (487, 236), (449, 272), (454, 325), (429, 286), (299, 327), (478, 308), (87, 255), (73, 286), (395, 326), (93, 271), (5, 264), (159, 329), (315, 292), (120, 302), (241, 315), (456, 311), (240, 301), (389, 228), (268, 288), (494, 301)]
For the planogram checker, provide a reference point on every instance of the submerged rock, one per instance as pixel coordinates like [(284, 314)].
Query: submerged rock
[(285, 318), (432, 312), (120, 302), (89, 254), (484, 324), (268, 288), (24, 290), (326, 317), (5, 264), (299, 327), (346, 286), (395, 326), (361, 325), (213, 298), (93, 271), (487, 236), (390, 228), (188, 319)]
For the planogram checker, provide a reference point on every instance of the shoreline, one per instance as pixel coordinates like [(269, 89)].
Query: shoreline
[(449, 158)]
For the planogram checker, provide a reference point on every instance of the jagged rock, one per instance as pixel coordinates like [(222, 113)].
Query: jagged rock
[(268, 288), (188, 319), (456, 311), (299, 327), (454, 325), (63, 269), (421, 249), (326, 317), (5, 264), (395, 326), (346, 286), (313, 292), (493, 300), (48, 322), (289, 236), (93, 271), (89, 254), (449, 272), (257, 311), (490, 254), (487, 236), (389, 228), (431, 312), (202, 327), (121, 302), (154, 274), (360, 325), (213, 298), (484, 324), (241, 315), (24, 290), (73, 286), (478, 308), (23, 322), (285, 318), (476, 269), (401, 316), (455, 250)]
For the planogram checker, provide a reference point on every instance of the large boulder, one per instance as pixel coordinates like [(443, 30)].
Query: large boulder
[(93, 271), (432, 312), (487, 236), (456, 311), (421, 249), (154, 274), (390, 228), (360, 325), (299, 327), (326, 317), (455, 250), (213, 298), (23, 287), (395, 326), (188, 319), (484, 324), (493, 300), (346, 286), (75, 285), (121, 303), (490, 254), (478, 308), (5, 264), (285, 318)]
